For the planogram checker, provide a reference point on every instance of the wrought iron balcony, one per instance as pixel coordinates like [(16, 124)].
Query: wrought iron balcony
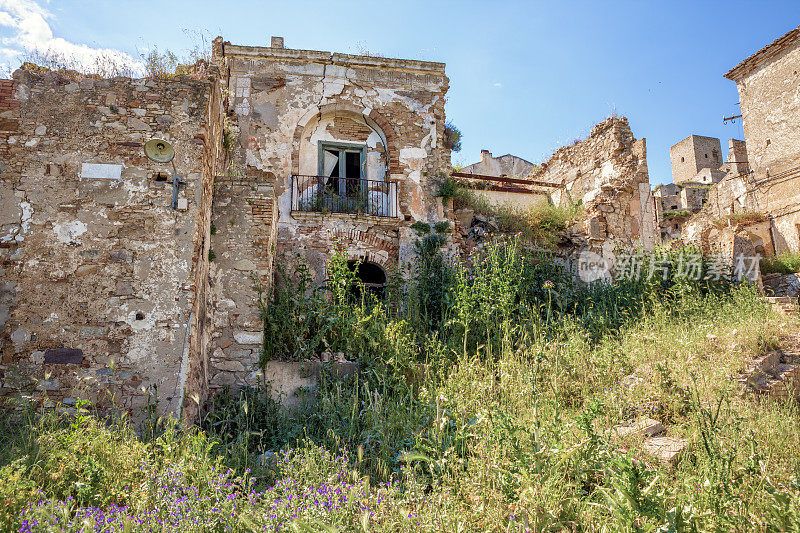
[(329, 194)]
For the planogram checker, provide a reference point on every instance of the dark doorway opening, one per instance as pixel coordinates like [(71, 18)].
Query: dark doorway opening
[(372, 277)]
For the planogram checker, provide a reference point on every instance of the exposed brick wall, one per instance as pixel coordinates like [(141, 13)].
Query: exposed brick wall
[(347, 129), (7, 100), (9, 115)]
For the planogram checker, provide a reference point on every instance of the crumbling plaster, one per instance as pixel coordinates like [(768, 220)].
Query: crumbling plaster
[(103, 264)]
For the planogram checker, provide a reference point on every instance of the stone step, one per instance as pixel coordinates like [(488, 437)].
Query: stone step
[(784, 383), (765, 364), (668, 450), (787, 300), (646, 427)]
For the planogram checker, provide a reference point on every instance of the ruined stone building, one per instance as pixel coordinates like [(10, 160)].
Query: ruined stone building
[(697, 166), (502, 180), (130, 282), (109, 293), (696, 159), (768, 86)]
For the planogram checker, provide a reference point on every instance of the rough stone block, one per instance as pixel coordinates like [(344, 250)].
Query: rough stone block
[(48, 385), (249, 337), (645, 427), (667, 450), (124, 289), (93, 332), (20, 337), (766, 364), (137, 124), (229, 366), (63, 356), (121, 256)]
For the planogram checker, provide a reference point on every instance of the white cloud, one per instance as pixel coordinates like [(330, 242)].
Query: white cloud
[(497, 84), (32, 36)]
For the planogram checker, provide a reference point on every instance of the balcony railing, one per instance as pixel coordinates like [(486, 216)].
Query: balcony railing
[(327, 194)]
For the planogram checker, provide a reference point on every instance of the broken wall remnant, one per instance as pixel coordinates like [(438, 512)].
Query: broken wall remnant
[(102, 279), (607, 174), (505, 165)]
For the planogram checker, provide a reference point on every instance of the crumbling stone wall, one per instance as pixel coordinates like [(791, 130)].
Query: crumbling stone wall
[(100, 275), (768, 85), (244, 217), (606, 173), (110, 295)]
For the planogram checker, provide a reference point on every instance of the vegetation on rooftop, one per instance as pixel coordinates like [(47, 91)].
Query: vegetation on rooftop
[(742, 218), (541, 223)]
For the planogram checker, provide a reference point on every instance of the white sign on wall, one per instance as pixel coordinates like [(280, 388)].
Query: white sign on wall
[(101, 171)]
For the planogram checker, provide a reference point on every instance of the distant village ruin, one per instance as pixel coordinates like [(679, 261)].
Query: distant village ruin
[(126, 280)]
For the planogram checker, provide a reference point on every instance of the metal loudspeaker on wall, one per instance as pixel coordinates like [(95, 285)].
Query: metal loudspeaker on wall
[(161, 151)]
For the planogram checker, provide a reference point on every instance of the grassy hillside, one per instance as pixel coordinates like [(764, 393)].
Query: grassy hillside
[(484, 402)]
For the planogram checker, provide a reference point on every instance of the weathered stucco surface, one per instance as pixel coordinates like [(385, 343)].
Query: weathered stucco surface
[(763, 172), (94, 259), (282, 103)]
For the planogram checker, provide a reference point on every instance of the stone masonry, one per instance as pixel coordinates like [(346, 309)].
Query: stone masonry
[(607, 174), (101, 278), (109, 294), (285, 106)]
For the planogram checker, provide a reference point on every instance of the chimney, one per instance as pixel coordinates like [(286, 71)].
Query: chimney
[(485, 155), (276, 42), (737, 156)]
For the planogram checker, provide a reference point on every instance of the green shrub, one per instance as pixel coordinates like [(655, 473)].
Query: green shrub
[(783, 263), (442, 226), (452, 137), (484, 399), (421, 227), (541, 223), (448, 188), (677, 213)]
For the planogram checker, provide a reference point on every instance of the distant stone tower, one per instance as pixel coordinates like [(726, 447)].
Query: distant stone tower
[(692, 155)]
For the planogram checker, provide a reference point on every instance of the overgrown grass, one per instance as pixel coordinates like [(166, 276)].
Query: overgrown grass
[(741, 219), (483, 402), (540, 223), (783, 263)]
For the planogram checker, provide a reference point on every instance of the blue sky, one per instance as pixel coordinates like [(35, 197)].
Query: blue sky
[(525, 77)]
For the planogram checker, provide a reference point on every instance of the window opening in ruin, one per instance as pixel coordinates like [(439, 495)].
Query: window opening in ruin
[(682, 159), (371, 276), (342, 169)]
